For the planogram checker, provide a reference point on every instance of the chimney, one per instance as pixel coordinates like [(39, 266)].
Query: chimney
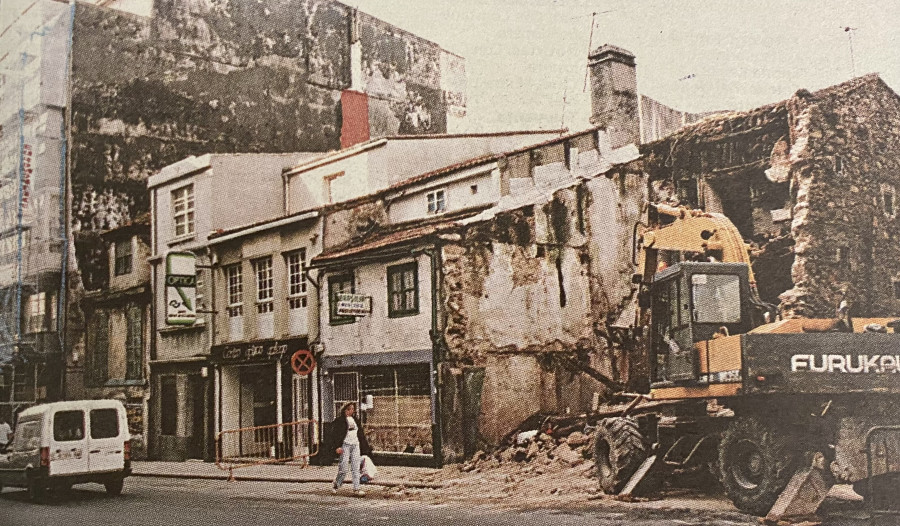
[(614, 97)]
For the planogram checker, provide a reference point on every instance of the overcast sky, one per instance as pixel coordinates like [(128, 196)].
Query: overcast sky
[(522, 56)]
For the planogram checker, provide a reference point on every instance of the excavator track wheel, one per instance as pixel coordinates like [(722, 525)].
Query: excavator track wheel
[(756, 463), (619, 450)]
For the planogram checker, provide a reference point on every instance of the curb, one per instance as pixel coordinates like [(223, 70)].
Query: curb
[(387, 484)]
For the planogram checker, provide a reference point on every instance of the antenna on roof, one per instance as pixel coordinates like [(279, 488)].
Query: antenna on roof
[(849, 30), (562, 123), (591, 45)]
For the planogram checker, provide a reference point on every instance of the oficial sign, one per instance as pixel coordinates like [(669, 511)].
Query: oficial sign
[(846, 363), (353, 305), (181, 288)]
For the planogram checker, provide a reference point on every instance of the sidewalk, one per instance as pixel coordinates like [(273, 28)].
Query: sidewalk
[(409, 477)]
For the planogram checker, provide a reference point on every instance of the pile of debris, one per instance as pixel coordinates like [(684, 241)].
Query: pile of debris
[(541, 440)]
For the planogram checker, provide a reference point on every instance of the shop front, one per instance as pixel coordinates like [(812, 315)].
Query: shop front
[(255, 388)]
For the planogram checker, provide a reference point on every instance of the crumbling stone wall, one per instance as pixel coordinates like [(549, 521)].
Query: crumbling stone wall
[(845, 160)]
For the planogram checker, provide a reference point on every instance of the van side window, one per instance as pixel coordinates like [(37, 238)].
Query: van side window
[(104, 423), (27, 437), (68, 425)]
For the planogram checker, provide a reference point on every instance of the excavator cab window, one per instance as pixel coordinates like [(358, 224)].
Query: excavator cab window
[(691, 302)]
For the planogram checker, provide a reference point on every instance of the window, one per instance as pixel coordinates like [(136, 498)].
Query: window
[(842, 255), (896, 284), (123, 257), (68, 426), (341, 284), (437, 202), (134, 343), (235, 287), (346, 389), (838, 165), (97, 349), (296, 263), (403, 290), (37, 309), (717, 298), (889, 200), (27, 437), (169, 405), (104, 423), (265, 285), (183, 210)]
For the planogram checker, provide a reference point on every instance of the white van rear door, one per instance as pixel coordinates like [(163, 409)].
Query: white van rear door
[(68, 443), (106, 443)]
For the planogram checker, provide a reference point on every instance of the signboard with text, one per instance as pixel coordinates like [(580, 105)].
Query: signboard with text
[(181, 288), (354, 305)]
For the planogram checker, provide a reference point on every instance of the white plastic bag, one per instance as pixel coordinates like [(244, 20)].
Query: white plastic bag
[(367, 469)]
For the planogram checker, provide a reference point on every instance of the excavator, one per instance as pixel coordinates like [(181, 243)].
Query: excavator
[(778, 409)]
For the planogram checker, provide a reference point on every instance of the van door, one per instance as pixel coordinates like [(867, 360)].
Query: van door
[(106, 442), (68, 443)]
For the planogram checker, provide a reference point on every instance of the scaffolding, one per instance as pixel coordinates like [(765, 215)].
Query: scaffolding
[(34, 76)]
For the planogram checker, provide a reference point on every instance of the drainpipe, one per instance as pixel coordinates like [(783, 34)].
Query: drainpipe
[(434, 256)]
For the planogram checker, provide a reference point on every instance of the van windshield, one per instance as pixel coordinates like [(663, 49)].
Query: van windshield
[(28, 436)]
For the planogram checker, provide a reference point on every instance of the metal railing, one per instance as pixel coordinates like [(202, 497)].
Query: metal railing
[(272, 444)]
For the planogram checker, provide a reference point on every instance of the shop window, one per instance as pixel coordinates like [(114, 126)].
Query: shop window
[(437, 202), (340, 284), (104, 423), (168, 396), (68, 426), (97, 349), (37, 310), (134, 343), (296, 263), (235, 286), (403, 290), (346, 389), (183, 210), (400, 417), (123, 255), (265, 285)]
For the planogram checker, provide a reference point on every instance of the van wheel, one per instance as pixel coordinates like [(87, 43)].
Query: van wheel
[(114, 487)]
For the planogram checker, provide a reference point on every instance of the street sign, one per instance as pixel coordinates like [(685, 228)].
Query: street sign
[(354, 305), (303, 362), (181, 288)]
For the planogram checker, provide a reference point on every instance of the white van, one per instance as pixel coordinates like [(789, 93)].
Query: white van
[(60, 444)]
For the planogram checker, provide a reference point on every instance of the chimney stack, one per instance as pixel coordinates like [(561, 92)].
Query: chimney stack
[(614, 97)]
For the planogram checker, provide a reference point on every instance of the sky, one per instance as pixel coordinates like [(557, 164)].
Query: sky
[(523, 57)]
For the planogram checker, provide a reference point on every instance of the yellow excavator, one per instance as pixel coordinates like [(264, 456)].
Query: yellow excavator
[(779, 410)]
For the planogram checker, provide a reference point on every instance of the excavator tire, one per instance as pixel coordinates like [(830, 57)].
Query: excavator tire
[(756, 462), (619, 450)]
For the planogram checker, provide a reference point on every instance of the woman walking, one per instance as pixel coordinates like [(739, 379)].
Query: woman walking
[(347, 434)]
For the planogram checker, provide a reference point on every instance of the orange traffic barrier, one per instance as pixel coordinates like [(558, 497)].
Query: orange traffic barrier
[(272, 444)]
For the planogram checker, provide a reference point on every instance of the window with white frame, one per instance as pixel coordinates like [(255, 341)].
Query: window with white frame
[(437, 202), (235, 285), (37, 310), (265, 285), (183, 210), (296, 264)]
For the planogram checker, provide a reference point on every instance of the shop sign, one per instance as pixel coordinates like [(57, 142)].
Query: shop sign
[(254, 352), (181, 288), (354, 305)]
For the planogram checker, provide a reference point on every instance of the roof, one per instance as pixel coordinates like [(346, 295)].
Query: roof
[(718, 123), (140, 225), (266, 223), (418, 230), (69, 405)]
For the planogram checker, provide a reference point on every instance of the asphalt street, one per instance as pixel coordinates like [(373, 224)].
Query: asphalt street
[(168, 502)]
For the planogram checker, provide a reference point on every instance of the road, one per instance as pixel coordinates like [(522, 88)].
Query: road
[(170, 502)]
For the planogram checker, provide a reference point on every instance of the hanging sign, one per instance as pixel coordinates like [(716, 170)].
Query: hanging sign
[(181, 288), (354, 305)]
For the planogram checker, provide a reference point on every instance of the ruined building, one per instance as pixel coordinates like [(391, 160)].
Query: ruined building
[(811, 182), (95, 98)]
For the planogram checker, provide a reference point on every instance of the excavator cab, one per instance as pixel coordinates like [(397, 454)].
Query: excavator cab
[(692, 302)]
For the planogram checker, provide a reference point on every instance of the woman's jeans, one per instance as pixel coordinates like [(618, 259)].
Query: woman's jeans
[(349, 456)]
